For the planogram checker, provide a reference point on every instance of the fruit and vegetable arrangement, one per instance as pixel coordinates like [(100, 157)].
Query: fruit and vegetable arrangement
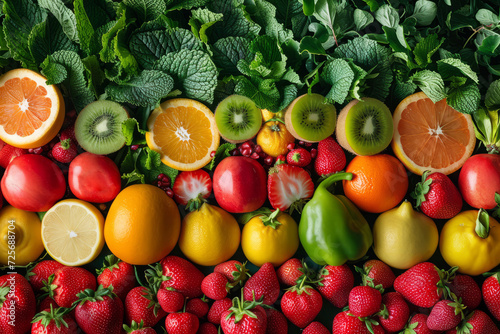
[(261, 166)]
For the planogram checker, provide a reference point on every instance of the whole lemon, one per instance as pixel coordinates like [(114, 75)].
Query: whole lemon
[(403, 237), (142, 225), (209, 235), (20, 236)]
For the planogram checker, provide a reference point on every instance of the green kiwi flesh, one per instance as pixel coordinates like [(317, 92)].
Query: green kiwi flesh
[(98, 127), (365, 127), (238, 119), (310, 118)]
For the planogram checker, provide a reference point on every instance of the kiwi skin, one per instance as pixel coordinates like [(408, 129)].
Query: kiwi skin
[(256, 116), (340, 131), (289, 123)]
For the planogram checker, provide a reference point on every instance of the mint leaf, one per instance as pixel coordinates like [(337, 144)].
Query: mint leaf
[(362, 19), (490, 45), (492, 98), (263, 92), (54, 73), (64, 15), (146, 10), (401, 90), (145, 89), (129, 127), (339, 75), (264, 14), (455, 67), (201, 20), (396, 38), (387, 16), (373, 4), (95, 74), (311, 45), (227, 52), (487, 17), (465, 98), (290, 14), (149, 46), (337, 17), (426, 48), (425, 12), (193, 71), (223, 151), (184, 4), (20, 18), (236, 22), (267, 60), (47, 37), (431, 84), (75, 84)]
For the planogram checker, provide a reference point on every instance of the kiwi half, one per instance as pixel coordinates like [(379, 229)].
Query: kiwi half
[(98, 127), (238, 119), (310, 119), (365, 127)]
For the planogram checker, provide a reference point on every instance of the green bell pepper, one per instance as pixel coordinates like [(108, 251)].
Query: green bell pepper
[(332, 230)]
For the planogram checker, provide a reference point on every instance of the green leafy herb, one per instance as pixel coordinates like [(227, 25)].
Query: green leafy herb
[(223, 151), (64, 15)]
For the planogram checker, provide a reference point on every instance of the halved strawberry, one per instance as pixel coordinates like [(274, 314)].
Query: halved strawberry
[(8, 152), (190, 188), (288, 186)]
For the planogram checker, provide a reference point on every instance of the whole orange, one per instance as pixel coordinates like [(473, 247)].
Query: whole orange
[(142, 225), (379, 182)]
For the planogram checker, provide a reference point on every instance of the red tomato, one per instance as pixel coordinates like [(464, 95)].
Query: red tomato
[(33, 183), (94, 178)]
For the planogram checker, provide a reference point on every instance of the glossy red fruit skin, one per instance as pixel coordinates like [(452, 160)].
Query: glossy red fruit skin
[(479, 179), (240, 184), (276, 322), (181, 323), (101, 316), (380, 273), (443, 317), (491, 295), (20, 299), (419, 284), (263, 283), (94, 178), (337, 282), (482, 324), (343, 323), (138, 307), (41, 272), (247, 324), (316, 327), (465, 287), (289, 272), (33, 182), (398, 310), (421, 327), (198, 307), (301, 309), (216, 310), (364, 301)]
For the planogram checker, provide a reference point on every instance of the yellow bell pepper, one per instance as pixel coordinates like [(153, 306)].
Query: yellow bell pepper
[(471, 241)]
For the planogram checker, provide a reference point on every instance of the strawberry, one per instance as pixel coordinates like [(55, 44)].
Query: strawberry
[(418, 325), (182, 323), (491, 294), (141, 303), (364, 301), (290, 271), (170, 301), (396, 312), (67, 282), (330, 157), (46, 303), (437, 196), (466, 288), (207, 328), (54, 321), (335, 284), (478, 322), (316, 327), (288, 186), (39, 274), (235, 271), (375, 272), (99, 311), (136, 328), (68, 133), (244, 317), (276, 322), (117, 273), (299, 157), (264, 283), (215, 286), (8, 153), (65, 151), (16, 298), (197, 306), (190, 188), (181, 275), (445, 315), (345, 323), (421, 284), (216, 310), (301, 304)]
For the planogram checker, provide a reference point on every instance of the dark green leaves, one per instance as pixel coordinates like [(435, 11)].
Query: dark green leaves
[(143, 166), (339, 75), (492, 100), (64, 15), (227, 52), (146, 10), (236, 22), (431, 84)]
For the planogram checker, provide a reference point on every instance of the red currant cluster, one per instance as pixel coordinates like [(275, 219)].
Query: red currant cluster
[(164, 184), (251, 150)]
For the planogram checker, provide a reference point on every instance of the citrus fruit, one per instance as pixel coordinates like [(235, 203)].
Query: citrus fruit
[(19, 236), (31, 112), (431, 136), (72, 232), (273, 138), (378, 184), (209, 235), (403, 237), (184, 132), (142, 225)]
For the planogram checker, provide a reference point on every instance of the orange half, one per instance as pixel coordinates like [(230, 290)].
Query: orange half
[(184, 132), (431, 136), (31, 112)]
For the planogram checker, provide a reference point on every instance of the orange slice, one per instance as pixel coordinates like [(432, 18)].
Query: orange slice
[(184, 132), (431, 136), (31, 112)]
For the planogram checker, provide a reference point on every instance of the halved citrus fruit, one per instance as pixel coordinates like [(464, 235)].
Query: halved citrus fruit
[(431, 136), (184, 132), (73, 232), (31, 112)]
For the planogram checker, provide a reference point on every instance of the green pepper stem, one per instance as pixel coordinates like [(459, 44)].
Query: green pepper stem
[(482, 224), (334, 178)]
